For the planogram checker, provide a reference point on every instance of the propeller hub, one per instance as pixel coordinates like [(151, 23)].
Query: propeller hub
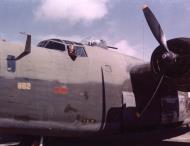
[(169, 56)]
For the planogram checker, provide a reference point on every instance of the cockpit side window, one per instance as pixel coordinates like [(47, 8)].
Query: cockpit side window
[(39, 44), (80, 51), (55, 46), (42, 44)]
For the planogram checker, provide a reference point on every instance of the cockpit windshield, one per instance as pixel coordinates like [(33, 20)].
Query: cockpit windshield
[(52, 44), (57, 44)]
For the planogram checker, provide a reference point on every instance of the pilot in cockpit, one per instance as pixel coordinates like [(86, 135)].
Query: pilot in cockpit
[(72, 52)]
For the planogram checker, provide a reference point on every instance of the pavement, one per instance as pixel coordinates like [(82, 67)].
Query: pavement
[(184, 138), (147, 140)]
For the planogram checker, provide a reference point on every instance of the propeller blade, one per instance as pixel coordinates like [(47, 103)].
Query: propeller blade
[(155, 27)]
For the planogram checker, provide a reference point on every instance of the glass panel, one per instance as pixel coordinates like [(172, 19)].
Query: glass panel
[(80, 51), (56, 46)]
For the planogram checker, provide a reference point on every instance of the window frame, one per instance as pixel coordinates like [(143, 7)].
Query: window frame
[(84, 50), (52, 41)]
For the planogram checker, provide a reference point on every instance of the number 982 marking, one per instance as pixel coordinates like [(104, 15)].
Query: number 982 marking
[(24, 86)]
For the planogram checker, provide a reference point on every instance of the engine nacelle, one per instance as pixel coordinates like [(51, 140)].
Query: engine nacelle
[(165, 108)]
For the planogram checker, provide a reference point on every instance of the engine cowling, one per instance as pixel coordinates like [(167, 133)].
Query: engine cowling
[(177, 68)]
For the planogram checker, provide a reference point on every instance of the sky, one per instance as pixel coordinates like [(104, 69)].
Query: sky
[(120, 22)]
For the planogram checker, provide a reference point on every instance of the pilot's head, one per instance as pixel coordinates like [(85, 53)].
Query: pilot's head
[(71, 52), (71, 48)]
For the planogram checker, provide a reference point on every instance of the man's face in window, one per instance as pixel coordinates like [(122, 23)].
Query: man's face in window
[(71, 48)]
